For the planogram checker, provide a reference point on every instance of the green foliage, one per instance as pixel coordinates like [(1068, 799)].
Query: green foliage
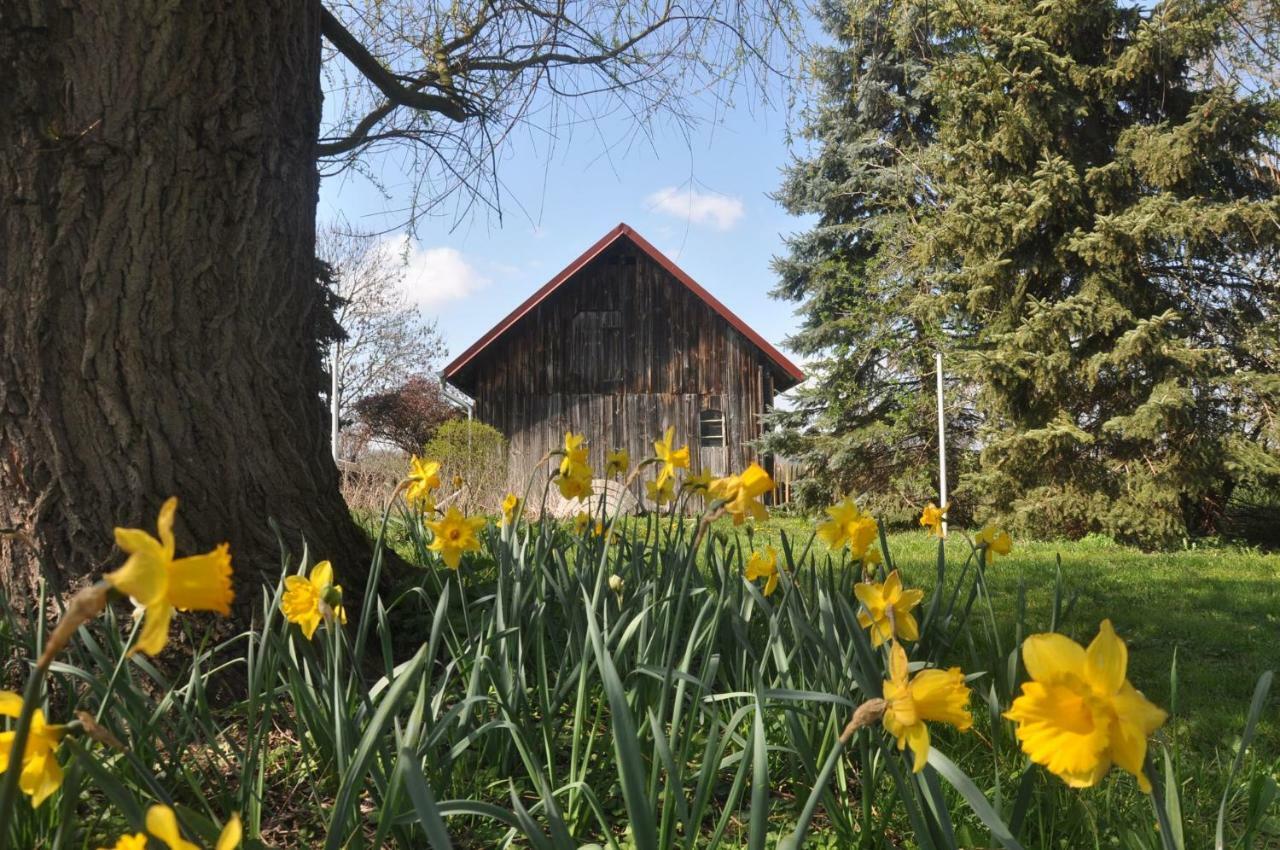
[(1093, 241), (862, 423), (477, 454)]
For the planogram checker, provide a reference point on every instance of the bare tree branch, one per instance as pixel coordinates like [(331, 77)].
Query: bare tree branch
[(498, 68), (397, 94)]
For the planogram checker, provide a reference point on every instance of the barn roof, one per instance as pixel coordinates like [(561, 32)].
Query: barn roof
[(789, 373)]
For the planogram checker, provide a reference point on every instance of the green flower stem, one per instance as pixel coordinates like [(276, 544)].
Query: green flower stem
[(115, 673)]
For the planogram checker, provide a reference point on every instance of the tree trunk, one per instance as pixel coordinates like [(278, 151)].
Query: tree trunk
[(159, 307)]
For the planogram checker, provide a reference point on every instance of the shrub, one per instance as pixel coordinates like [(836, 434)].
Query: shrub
[(476, 453), (407, 416)]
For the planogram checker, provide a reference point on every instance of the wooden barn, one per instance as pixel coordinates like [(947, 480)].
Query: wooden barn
[(620, 345)]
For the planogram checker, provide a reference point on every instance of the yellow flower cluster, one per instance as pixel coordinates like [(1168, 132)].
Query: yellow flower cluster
[(741, 493), (764, 564), (313, 599), (850, 527), (887, 609), (930, 696), (933, 517), (1079, 715), (423, 481), (455, 534), (574, 478), (1076, 716), (159, 584)]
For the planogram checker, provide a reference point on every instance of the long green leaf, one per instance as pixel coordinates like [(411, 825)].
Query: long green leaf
[(423, 802), (626, 745), (1256, 706), (976, 799)]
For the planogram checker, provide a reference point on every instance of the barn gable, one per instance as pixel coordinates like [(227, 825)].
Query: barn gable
[(619, 345), (610, 249)]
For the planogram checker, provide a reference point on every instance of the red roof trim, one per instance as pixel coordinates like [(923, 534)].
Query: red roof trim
[(590, 254)]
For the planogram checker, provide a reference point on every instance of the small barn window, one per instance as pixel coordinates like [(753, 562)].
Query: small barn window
[(711, 428)]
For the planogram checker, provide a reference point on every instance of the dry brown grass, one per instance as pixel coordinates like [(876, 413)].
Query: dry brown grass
[(368, 481)]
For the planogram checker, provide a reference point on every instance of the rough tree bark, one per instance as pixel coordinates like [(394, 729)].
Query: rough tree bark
[(158, 297)]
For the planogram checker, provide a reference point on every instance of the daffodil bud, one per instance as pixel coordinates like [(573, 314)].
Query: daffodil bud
[(616, 583), (83, 607), (333, 596), (867, 714)]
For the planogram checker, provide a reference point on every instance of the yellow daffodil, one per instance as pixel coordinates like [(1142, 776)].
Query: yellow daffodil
[(577, 484), (930, 696), (742, 493), (312, 600), (424, 480), (933, 517), (661, 490), (700, 482), (455, 534), (41, 774), (457, 482), (1079, 714), (887, 609), (617, 463), (159, 583), (162, 824), (510, 509), (872, 559), (575, 453), (671, 458), (764, 564), (850, 527), (581, 521), (598, 529), (997, 542), (229, 838)]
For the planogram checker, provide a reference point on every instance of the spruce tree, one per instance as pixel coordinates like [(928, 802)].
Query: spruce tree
[(861, 424), (1082, 221), (1103, 245)]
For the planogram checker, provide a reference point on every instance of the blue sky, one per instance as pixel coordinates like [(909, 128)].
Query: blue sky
[(701, 199)]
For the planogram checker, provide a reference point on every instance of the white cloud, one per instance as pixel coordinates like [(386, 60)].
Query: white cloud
[(436, 276), (719, 211)]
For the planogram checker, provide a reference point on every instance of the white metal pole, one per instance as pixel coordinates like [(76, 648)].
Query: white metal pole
[(334, 352), (942, 443)]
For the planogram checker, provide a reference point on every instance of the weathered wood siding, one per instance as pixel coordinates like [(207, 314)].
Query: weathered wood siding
[(620, 352)]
